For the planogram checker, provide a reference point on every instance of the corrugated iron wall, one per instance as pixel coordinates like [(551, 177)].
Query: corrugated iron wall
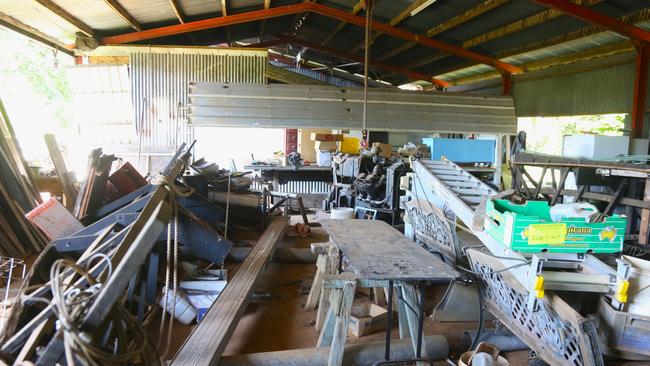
[(159, 82)]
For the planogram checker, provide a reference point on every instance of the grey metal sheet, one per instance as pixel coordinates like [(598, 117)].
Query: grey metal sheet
[(291, 106)]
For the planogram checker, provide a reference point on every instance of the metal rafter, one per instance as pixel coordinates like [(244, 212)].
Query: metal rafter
[(529, 22), (403, 15), (63, 14), (357, 58), (119, 9), (451, 23), (308, 7), (595, 17), (177, 10), (355, 10)]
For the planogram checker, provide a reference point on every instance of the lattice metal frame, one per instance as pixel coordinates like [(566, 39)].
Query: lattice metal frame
[(558, 339), (432, 230)]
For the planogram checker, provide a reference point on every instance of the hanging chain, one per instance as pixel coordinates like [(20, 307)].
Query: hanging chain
[(364, 130)]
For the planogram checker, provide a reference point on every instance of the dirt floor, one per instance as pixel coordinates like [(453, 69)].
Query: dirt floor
[(280, 322)]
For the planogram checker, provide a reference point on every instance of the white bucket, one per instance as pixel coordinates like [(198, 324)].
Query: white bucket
[(342, 213), (184, 312), (639, 291)]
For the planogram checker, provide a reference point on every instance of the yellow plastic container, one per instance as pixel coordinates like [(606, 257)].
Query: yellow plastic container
[(350, 145)]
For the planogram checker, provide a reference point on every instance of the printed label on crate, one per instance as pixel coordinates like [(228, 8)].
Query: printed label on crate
[(546, 234)]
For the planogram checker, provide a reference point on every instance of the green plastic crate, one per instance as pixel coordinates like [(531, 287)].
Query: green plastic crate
[(528, 228)]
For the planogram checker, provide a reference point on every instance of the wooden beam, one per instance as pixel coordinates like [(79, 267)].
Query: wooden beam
[(69, 190), (207, 342), (408, 36), (640, 96), (640, 16), (206, 24), (177, 10), (404, 14), (355, 10), (598, 52), (528, 22), (308, 7), (119, 9), (380, 65), (267, 4), (33, 33), (63, 14), (224, 8), (595, 17), (451, 23)]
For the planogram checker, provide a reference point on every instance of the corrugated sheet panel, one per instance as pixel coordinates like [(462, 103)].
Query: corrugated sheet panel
[(601, 91), (160, 79), (295, 106), (316, 75), (102, 107)]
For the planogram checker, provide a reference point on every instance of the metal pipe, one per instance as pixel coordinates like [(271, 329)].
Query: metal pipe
[(362, 354), (282, 255), (505, 341)]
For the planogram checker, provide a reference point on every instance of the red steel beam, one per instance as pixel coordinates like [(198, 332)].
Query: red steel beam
[(595, 17), (640, 96), (308, 7), (506, 79), (353, 57)]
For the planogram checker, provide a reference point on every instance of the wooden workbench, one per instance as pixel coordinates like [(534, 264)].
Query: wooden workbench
[(379, 252), (380, 256)]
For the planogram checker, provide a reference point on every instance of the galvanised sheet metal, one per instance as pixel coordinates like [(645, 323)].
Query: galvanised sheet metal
[(297, 106), (160, 76)]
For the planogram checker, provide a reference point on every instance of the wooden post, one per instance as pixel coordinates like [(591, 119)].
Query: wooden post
[(341, 325), (645, 216)]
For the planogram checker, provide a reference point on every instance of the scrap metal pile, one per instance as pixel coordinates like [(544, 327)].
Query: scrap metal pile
[(89, 293)]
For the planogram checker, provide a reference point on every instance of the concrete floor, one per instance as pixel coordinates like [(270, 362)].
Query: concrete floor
[(280, 322)]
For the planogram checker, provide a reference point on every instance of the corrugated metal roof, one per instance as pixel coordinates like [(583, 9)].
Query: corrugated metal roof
[(154, 13)]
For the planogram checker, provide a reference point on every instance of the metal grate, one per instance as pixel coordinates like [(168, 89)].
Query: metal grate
[(10, 269), (431, 229), (557, 340)]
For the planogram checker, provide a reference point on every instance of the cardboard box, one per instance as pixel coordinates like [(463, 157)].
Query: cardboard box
[(326, 136), (326, 146), (367, 319), (386, 149), (528, 228)]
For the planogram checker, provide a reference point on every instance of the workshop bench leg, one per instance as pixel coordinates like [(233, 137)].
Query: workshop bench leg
[(317, 283), (414, 315), (323, 304), (335, 328), (402, 320)]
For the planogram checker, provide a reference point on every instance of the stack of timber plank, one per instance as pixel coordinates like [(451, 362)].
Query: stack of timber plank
[(18, 195)]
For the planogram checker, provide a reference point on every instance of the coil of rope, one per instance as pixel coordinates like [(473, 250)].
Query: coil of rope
[(171, 269), (70, 305)]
